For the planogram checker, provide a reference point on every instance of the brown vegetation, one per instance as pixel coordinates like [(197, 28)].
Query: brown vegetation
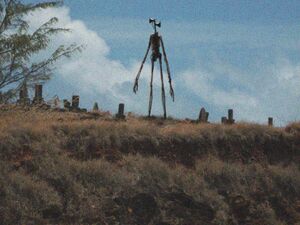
[(74, 168)]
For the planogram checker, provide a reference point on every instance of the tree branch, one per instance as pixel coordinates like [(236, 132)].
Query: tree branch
[(5, 17)]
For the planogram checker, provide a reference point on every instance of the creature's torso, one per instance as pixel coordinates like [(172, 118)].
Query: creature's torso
[(155, 45)]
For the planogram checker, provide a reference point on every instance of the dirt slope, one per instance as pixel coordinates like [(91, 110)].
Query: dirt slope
[(68, 168)]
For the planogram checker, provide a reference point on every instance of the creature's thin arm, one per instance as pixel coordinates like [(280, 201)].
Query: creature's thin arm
[(168, 69), (136, 85)]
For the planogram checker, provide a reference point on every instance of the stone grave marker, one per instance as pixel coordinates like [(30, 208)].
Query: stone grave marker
[(270, 121), (75, 102), (230, 119), (96, 107), (67, 104), (38, 97), (120, 114), (203, 116), (23, 95)]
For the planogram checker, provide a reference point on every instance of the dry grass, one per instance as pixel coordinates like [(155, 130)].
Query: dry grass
[(70, 168), (55, 189), (94, 135)]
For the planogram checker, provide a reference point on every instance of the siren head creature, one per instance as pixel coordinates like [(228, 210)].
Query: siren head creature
[(155, 42)]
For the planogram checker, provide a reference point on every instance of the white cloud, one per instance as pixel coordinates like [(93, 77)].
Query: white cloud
[(267, 90), (202, 83), (272, 90), (93, 74), (92, 69)]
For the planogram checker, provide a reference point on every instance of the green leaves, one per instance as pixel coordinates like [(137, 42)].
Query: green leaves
[(18, 45)]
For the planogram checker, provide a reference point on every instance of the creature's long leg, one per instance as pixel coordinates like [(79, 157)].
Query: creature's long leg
[(168, 69), (151, 89), (136, 85), (163, 95)]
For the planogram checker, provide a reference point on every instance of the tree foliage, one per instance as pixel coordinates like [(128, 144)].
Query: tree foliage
[(18, 45)]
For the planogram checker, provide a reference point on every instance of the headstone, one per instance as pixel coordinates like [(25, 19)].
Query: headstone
[(38, 97), (230, 119), (67, 104), (96, 107), (23, 92), (270, 121), (75, 101), (23, 95), (120, 114), (203, 116), (56, 102)]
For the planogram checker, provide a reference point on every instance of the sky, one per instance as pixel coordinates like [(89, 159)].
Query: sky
[(243, 55)]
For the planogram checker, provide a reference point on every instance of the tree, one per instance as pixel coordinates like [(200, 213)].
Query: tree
[(18, 46)]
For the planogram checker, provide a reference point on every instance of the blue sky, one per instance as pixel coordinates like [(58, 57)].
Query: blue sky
[(243, 55)]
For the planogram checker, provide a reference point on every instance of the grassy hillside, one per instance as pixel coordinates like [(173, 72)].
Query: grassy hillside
[(69, 168)]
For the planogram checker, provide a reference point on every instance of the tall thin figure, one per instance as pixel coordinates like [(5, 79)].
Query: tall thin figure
[(155, 41)]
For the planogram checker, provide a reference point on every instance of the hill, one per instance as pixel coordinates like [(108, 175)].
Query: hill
[(89, 168)]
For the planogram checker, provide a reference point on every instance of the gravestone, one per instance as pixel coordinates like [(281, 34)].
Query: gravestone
[(75, 102), (96, 107), (270, 121), (67, 104), (120, 114), (38, 97), (230, 119), (203, 116), (23, 95), (56, 102)]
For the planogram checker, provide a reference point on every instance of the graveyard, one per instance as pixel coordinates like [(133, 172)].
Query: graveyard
[(126, 168), (65, 105), (62, 163), (132, 169)]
